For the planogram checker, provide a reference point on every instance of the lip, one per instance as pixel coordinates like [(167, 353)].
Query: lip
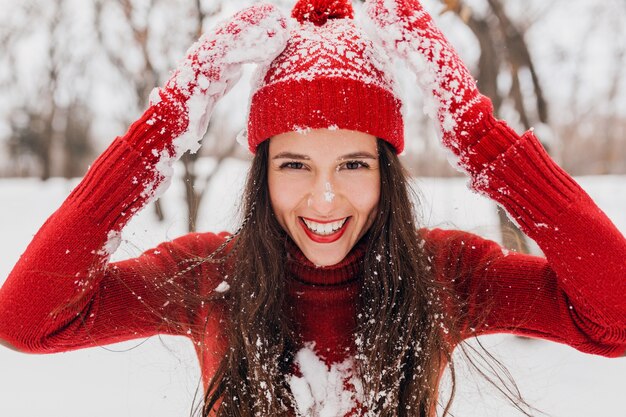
[(328, 238), (323, 221)]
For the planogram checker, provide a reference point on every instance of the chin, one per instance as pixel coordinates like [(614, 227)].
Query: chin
[(325, 257)]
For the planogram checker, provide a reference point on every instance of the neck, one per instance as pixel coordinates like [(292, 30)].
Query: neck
[(303, 270)]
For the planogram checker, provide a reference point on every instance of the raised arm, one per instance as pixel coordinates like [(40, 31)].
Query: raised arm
[(577, 295), (62, 293)]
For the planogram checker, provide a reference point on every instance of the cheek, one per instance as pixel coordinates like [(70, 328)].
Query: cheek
[(284, 196), (365, 195)]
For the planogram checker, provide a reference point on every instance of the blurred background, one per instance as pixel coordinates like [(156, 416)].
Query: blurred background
[(74, 74)]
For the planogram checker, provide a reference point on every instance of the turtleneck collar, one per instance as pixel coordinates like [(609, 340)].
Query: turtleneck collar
[(303, 270)]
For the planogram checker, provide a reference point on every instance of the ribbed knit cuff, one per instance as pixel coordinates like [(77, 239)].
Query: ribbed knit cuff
[(119, 182), (524, 179), (496, 139)]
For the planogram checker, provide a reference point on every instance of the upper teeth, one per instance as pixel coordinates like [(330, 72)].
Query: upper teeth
[(324, 228)]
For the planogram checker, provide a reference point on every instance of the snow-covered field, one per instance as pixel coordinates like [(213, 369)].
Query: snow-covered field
[(158, 377)]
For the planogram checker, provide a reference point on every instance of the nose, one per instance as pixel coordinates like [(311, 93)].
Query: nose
[(323, 196)]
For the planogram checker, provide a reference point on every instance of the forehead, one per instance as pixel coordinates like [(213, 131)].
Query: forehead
[(323, 142)]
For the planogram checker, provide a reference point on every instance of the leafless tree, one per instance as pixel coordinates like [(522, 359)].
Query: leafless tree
[(52, 122), (596, 130)]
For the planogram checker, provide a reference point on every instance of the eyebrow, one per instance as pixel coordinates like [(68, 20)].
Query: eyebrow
[(353, 155), (359, 155), (290, 155)]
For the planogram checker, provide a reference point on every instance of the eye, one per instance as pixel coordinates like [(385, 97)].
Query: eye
[(292, 165), (352, 165)]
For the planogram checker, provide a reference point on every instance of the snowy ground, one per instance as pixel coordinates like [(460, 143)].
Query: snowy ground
[(158, 377)]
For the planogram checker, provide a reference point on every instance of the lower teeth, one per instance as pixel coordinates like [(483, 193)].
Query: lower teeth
[(325, 234)]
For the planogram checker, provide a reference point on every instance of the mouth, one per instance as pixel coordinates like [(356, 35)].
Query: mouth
[(324, 232)]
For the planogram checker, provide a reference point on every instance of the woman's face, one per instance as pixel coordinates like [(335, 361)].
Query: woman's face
[(324, 187)]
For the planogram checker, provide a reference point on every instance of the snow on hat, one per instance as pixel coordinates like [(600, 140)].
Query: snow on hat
[(328, 76)]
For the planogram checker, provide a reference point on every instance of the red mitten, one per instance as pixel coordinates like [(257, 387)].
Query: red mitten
[(406, 30), (183, 106)]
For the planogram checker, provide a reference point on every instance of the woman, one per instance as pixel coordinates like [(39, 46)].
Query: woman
[(328, 265)]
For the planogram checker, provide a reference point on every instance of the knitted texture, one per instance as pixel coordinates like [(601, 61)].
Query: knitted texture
[(330, 75)]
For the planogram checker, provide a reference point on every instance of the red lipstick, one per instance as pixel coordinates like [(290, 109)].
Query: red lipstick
[(327, 238)]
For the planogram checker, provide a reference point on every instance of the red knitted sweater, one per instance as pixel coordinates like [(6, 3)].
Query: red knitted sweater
[(63, 294)]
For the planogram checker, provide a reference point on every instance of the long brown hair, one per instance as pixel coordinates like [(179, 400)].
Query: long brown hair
[(404, 338), (400, 343)]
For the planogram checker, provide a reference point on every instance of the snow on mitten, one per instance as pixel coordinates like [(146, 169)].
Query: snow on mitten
[(406, 30), (212, 66), (179, 113)]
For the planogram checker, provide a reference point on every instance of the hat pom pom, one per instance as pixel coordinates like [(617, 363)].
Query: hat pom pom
[(319, 11)]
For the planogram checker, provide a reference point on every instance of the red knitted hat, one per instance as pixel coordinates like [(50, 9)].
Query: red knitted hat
[(328, 76)]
